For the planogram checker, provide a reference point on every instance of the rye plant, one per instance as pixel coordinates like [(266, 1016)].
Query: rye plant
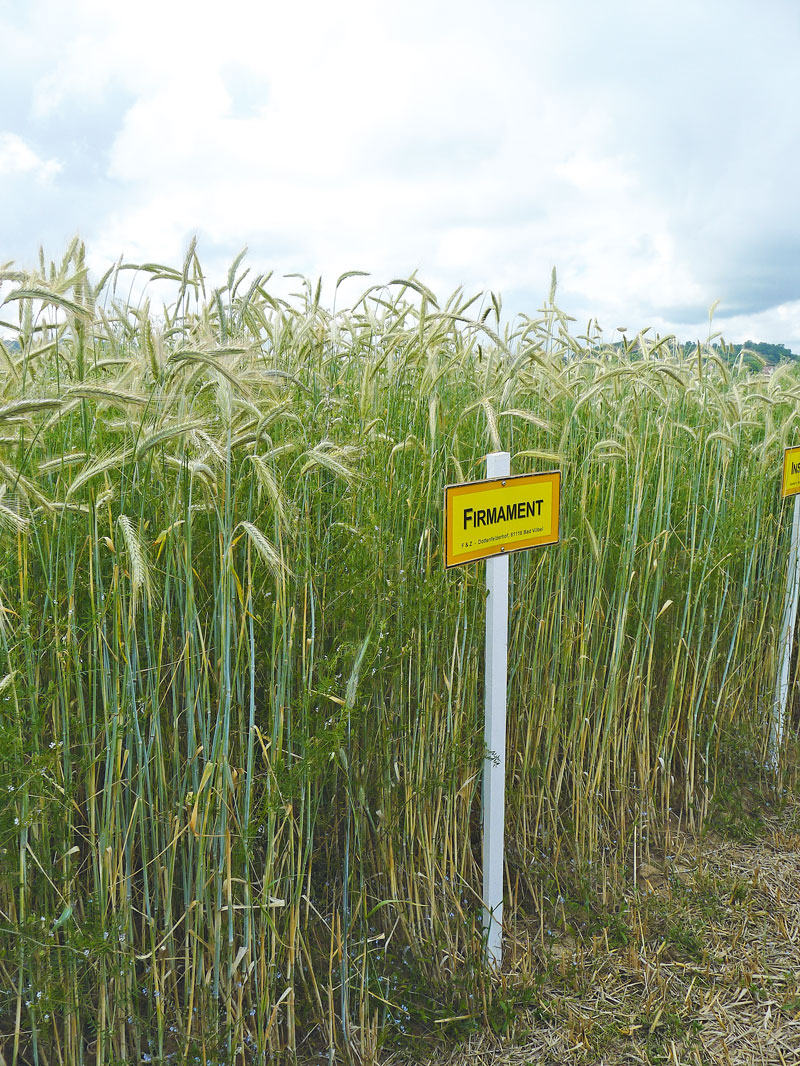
[(240, 698)]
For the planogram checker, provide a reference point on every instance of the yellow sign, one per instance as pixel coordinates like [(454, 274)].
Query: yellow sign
[(791, 472), (500, 515)]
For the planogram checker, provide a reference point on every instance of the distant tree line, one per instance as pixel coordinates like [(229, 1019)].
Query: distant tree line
[(754, 354)]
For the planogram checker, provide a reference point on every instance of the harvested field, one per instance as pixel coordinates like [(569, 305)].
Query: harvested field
[(710, 973)]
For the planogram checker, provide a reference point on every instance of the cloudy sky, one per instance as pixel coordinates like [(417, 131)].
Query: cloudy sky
[(649, 150)]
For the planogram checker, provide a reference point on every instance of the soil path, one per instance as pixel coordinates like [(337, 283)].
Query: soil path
[(705, 969)]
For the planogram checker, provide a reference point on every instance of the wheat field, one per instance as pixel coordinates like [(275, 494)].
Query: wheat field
[(241, 699)]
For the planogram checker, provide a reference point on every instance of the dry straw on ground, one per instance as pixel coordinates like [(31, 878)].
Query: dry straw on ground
[(710, 976)]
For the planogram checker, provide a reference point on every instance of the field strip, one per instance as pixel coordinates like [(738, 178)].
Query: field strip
[(710, 976)]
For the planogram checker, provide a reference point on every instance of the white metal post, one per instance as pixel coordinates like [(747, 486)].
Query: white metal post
[(787, 639), (498, 464)]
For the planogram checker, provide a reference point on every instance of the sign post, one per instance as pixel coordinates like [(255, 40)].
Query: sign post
[(498, 464), (790, 487), (490, 520)]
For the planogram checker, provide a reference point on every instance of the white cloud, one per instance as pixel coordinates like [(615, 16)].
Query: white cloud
[(645, 151), (18, 158)]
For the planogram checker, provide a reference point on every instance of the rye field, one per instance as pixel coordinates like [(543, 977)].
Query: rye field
[(241, 700)]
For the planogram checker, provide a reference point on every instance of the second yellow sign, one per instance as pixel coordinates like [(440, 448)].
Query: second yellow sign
[(791, 472)]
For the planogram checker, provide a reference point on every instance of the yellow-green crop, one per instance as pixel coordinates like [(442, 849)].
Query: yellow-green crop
[(240, 698)]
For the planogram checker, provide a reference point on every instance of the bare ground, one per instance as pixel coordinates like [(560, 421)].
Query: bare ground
[(703, 968)]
